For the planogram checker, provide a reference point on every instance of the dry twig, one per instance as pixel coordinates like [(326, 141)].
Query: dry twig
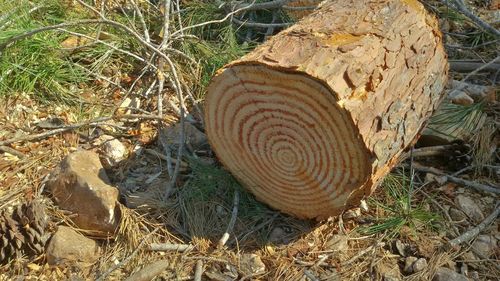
[(473, 232), (198, 272), (234, 215), (475, 185), (127, 259), (168, 247)]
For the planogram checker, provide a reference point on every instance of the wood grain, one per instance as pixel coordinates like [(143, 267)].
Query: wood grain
[(312, 119)]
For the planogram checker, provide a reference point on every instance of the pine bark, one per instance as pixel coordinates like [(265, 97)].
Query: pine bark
[(315, 117)]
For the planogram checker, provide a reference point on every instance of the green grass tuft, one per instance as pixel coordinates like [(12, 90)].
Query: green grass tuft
[(399, 208), (34, 65)]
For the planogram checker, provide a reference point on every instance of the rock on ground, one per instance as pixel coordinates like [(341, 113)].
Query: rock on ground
[(251, 264), (338, 242), (114, 151), (68, 246), (486, 245), (409, 261), (469, 207), (446, 274), (80, 185), (419, 265)]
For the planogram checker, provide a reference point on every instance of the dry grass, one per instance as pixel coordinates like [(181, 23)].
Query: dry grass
[(198, 211)]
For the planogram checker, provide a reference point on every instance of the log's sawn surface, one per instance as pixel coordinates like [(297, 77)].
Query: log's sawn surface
[(314, 118)]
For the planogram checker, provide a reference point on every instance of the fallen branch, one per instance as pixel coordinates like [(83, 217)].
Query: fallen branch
[(11, 151), (62, 129), (234, 215), (468, 66), (310, 275), (168, 247), (260, 25), (127, 259), (475, 185), (276, 4), (46, 134), (459, 5), (198, 272), (473, 232), (363, 252), (150, 271)]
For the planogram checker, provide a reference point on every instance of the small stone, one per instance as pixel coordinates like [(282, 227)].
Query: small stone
[(114, 151), (461, 98), (400, 248), (486, 245), (194, 138), (68, 246), (429, 177), (446, 274), (474, 275), (352, 214), (277, 235), (388, 277), (469, 207), (419, 265), (251, 264), (80, 185), (409, 264), (338, 242), (457, 215)]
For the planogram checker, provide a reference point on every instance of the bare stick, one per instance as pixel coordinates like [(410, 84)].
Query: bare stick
[(234, 215), (198, 272), (215, 21), (168, 247), (475, 185), (364, 252), (276, 4), (54, 132), (150, 271), (143, 22), (260, 25), (460, 6), (470, 65), (127, 259), (310, 275), (473, 232), (11, 151)]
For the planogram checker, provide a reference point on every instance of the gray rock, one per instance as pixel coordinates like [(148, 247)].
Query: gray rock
[(251, 264), (460, 97), (486, 245), (474, 275), (400, 248), (195, 139), (446, 274), (457, 215), (114, 151), (338, 242), (81, 186), (68, 246), (469, 207), (409, 261), (388, 277), (419, 265), (277, 235)]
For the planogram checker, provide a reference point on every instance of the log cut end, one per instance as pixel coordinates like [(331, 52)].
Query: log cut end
[(286, 139), (312, 119)]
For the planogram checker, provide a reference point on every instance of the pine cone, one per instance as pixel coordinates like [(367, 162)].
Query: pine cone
[(23, 231)]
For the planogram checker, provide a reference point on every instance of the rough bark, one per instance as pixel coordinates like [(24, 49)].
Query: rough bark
[(311, 120)]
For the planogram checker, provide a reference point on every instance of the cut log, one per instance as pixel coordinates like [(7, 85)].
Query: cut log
[(315, 117)]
